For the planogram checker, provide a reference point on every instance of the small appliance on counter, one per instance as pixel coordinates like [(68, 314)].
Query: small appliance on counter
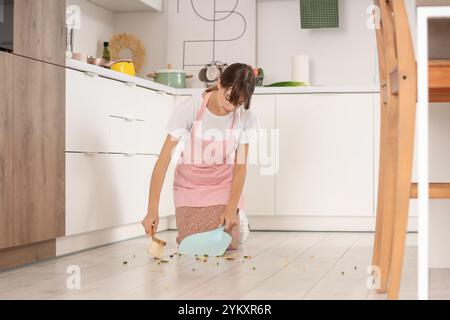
[(212, 72), (171, 77), (6, 25), (259, 74), (125, 66), (300, 69)]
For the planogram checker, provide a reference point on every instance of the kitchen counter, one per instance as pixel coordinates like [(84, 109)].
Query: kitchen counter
[(85, 67)]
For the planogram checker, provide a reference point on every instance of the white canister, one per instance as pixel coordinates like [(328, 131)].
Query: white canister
[(300, 69)]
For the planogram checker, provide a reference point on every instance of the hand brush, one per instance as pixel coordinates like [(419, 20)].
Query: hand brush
[(156, 249)]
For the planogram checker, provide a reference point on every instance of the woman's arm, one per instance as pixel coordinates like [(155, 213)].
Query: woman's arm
[(229, 216), (151, 221)]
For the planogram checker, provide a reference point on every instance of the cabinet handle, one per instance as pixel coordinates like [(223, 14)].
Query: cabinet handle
[(129, 155), (123, 118), (91, 74), (90, 154), (130, 84)]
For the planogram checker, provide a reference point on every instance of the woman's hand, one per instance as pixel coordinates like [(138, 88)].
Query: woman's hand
[(150, 223), (229, 218)]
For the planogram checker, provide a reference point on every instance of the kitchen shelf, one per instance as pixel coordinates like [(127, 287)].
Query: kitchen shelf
[(130, 5)]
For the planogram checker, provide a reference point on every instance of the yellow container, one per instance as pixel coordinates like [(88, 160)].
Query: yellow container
[(124, 67)]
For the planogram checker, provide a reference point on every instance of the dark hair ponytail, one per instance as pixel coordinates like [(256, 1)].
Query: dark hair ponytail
[(241, 78)]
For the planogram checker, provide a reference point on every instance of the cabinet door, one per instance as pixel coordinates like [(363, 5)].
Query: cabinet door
[(39, 30), (439, 153), (39, 155), (262, 160), (326, 155), (6, 150), (88, 108), (123, 119), (88, 204), (130, 183), (106, 190), (155, 111)]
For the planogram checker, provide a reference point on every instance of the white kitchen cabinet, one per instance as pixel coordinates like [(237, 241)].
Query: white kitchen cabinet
[(114, 132), (88, 205), (106, 190), (439, 153), (86, 109), (259, 190), (105, 115), (123, 121), (125, 191), (130, 183), (155, 110), (326, 163)]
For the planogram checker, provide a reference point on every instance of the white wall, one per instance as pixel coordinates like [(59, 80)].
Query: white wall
[(99, 25), (338, 56), (96, 27), (151, 29), (235, 34)]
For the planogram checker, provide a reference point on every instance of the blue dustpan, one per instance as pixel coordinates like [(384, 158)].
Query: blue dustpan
[(212, 243)]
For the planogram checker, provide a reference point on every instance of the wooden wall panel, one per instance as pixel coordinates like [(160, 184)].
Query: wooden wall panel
[(6, 149), (39, 151)]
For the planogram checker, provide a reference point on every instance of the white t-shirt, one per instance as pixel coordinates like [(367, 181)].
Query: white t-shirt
[(247, 122)]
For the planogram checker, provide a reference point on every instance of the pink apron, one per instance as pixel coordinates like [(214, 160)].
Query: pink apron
[(201, 182)]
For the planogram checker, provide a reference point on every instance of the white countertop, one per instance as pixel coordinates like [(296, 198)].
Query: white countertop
[(85, 67)]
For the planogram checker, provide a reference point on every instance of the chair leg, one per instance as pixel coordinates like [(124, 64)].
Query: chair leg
[(400, 229), (381, 188), (407, 112), (388, 194)]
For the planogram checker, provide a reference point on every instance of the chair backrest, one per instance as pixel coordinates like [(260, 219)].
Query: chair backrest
[(398, 70)]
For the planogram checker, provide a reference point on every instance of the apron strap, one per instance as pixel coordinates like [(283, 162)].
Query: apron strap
[(202, 110), (200, 113)]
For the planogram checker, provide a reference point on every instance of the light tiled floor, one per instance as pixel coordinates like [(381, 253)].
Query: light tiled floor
[(283, 265)]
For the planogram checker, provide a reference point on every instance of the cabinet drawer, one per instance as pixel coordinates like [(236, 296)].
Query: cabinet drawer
[(88, 205), (106, 190), (155, 109), (104, 115), (130, 183), (123, 134), (86, 112)]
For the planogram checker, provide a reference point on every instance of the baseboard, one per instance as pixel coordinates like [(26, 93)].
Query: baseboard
[(23, 255), (325, 224), (90, 240)]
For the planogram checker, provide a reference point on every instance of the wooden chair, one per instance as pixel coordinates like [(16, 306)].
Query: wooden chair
[(398, 76)]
